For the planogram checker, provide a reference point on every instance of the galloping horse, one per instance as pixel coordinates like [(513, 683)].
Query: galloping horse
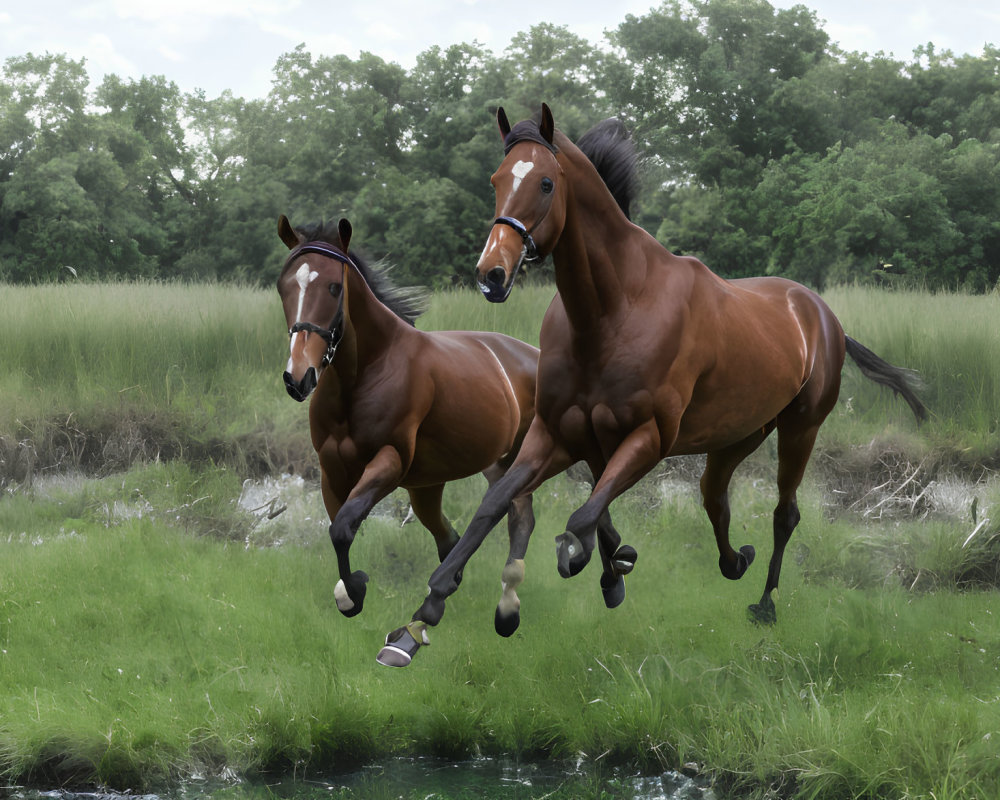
[(645, 355), (394, 406)]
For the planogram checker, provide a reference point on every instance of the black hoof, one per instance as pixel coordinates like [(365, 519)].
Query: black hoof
[(624, 559), (744, 558), (506, 626), (613, 589), (400, 647), (571, 556), (350, 594), (763, 613)]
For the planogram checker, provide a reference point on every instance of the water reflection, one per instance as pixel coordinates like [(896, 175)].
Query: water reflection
[(431, 779)]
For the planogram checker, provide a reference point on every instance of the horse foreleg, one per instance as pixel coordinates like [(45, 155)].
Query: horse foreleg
[(638, 453), (537, 461), (381, 476), (619, 561), (402, 644)]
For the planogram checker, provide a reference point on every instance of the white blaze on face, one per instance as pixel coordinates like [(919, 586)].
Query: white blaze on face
[(303, 276), (520, 171)]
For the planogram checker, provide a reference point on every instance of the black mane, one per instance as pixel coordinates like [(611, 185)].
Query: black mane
[(407, 303), (610, 148)]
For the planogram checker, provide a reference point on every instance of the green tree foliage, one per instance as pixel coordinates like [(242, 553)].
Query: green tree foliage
[(765, 150)]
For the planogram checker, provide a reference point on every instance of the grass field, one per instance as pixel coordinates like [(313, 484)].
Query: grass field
[(151, 626)]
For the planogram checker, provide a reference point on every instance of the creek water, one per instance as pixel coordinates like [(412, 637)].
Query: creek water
[(427, 778)]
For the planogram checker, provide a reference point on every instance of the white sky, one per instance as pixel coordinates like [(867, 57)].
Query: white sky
[(219, 44)]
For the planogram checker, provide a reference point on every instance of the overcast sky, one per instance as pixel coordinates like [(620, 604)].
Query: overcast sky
[(234, 44)]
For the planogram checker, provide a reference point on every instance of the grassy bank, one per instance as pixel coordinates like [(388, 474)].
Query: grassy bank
[(152, 627)]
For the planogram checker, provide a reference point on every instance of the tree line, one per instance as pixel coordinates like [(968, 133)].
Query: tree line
[(764, 148)]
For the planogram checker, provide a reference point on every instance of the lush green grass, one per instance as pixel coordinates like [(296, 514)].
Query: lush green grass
[(134, 651), (149, 629)]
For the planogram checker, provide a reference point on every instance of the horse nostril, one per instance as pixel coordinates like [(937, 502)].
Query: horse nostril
[(300, 390), (496, 276)]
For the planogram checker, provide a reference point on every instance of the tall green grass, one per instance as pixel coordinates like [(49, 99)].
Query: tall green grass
[(102, 375), (200, 367), (952, 341)]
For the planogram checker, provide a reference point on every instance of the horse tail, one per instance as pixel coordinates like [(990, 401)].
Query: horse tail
[(903, 382)]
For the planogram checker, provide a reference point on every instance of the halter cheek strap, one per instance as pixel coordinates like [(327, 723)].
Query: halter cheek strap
[(335, 332)]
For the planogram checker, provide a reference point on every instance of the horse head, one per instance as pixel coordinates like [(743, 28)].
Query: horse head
[(313, 290), (530, 204)]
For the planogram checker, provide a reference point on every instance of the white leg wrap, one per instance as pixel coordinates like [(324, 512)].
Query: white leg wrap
[(344, 602)]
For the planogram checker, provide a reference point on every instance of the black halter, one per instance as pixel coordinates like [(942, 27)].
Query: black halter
[(529, 252), (335, 332)]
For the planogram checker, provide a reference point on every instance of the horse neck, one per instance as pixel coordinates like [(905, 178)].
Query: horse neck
[(592, 277)]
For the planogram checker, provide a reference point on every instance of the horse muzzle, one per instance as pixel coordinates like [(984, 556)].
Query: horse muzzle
[(299, 390), (496, 287)]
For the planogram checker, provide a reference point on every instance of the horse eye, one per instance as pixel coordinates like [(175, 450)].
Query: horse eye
[(547, 185), (336, 289)]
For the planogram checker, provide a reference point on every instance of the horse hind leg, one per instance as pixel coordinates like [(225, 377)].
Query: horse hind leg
[(520, 524), (795, 446), (719, 468), (426, 504)]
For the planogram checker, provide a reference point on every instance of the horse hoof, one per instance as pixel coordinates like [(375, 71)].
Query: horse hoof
[(571, 557), (613, 589), (400, 647), (763, 613), (744, 558), (506, 625), (350, 596), (624, 559)]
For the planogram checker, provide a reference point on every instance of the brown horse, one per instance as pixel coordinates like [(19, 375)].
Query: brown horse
[(645, 355), (394, 406)]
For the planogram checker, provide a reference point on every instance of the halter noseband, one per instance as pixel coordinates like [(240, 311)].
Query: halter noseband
[(335, 332), (529, 251)]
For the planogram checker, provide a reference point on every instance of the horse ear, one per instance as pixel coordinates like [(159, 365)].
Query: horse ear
[(547, 127), (286, 233), (345, 230), (503, 123)]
